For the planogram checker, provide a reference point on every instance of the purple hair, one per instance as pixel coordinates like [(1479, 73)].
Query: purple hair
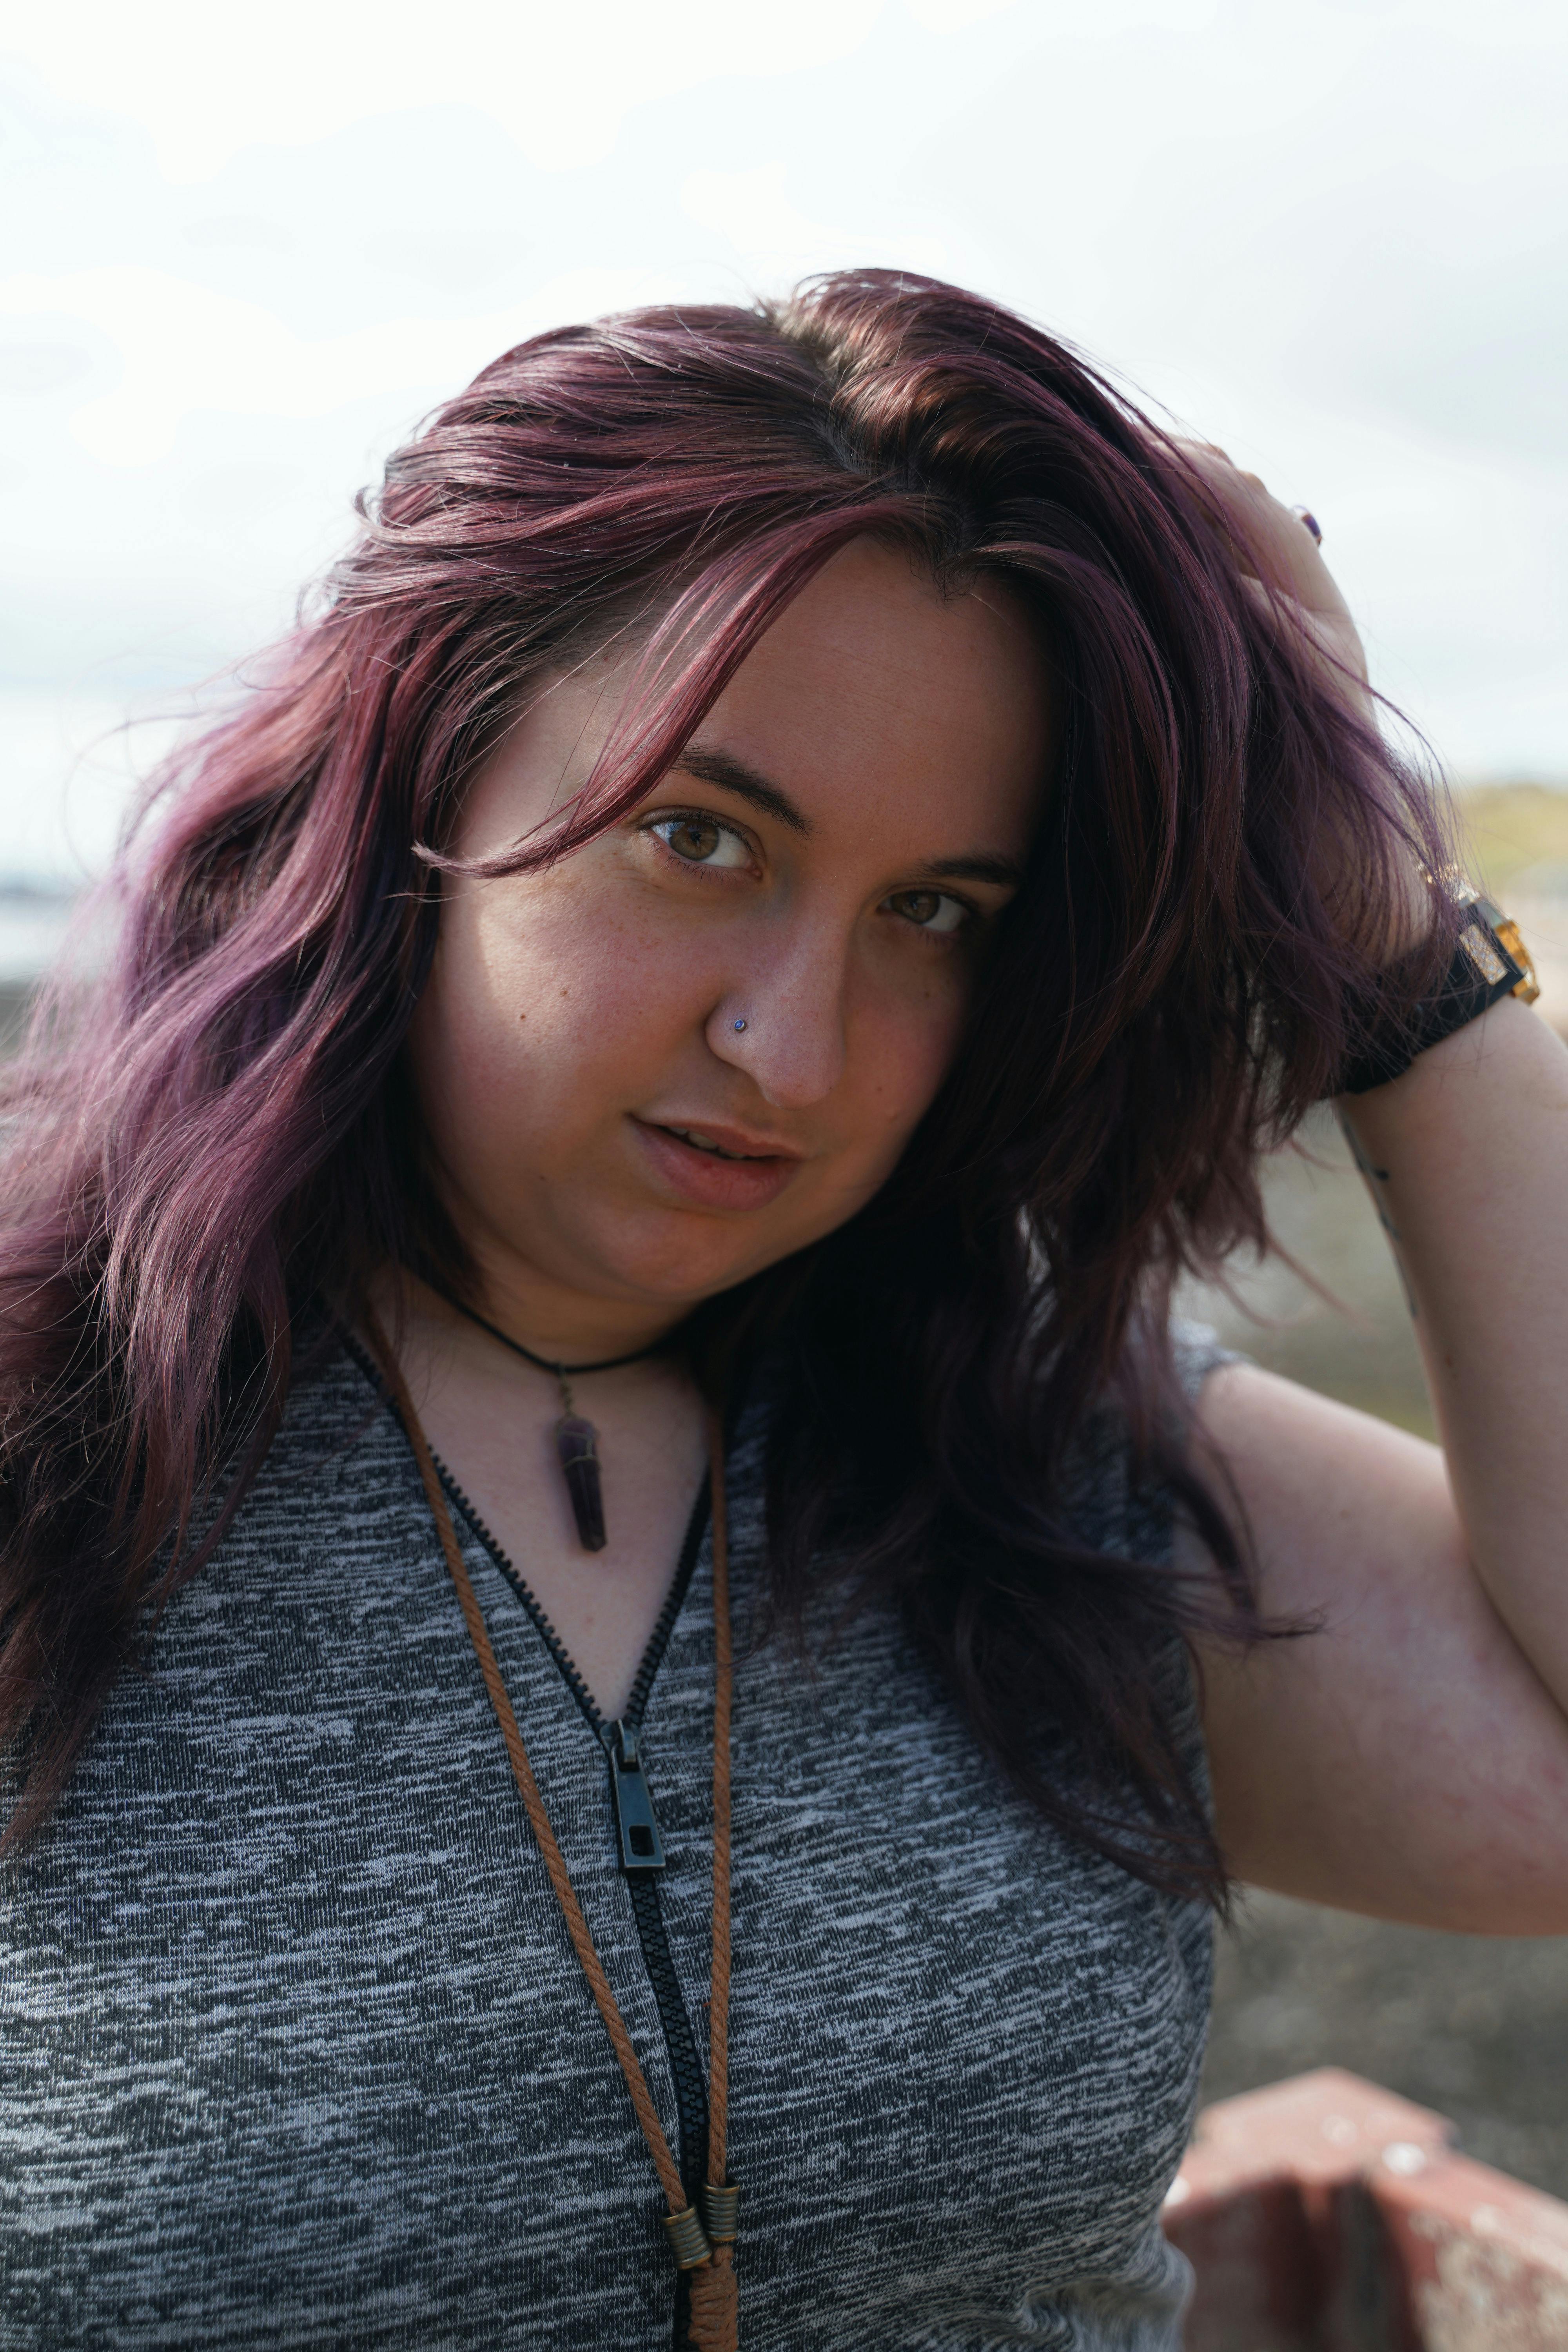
[(219, 1140)]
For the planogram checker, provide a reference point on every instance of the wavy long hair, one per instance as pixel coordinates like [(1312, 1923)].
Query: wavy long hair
[(220, 1135)]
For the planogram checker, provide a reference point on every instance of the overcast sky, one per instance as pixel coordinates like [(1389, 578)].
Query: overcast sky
[(244, 251)]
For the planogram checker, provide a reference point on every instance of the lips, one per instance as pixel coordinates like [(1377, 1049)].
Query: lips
[(717, 1167), (713, 1141)]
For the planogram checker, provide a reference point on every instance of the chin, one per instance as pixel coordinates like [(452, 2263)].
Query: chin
[(683, 1269)]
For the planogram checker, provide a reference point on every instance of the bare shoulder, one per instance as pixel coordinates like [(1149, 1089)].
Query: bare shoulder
[(1400, 1758)]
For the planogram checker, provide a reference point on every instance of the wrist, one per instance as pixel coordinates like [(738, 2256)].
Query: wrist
[(1489, 962), (1441, 1122)]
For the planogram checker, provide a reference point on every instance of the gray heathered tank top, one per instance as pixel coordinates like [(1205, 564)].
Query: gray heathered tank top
[(294, 2049)]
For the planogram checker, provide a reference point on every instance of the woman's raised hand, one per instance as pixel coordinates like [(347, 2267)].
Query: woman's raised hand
[(1278, 555)]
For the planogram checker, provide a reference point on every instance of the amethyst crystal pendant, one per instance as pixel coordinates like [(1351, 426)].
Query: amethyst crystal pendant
[(578, 1442)]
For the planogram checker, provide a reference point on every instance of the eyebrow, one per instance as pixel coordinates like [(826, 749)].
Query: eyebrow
[(982, 865), (731, 775)]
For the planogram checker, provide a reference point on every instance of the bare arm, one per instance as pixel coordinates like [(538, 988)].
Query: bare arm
[(1411, 1759)]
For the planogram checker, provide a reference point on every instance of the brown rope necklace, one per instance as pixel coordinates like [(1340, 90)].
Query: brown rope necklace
[(701, 2239)]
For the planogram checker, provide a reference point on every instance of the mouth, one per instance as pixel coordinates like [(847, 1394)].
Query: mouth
[(701, 1140), (718, 1167)]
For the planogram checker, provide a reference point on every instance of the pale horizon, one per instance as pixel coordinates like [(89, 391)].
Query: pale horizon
[(1331, 239)]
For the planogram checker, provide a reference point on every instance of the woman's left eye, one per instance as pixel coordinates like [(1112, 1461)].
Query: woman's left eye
[(931, 910), (702, 841)]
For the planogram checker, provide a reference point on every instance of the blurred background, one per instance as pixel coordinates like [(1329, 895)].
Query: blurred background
[(241, 253)]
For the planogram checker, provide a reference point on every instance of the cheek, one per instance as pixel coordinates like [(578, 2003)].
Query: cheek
[(901, 1051), (536, 1022)]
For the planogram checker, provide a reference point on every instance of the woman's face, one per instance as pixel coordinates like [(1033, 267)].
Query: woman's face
[(703, 1040)]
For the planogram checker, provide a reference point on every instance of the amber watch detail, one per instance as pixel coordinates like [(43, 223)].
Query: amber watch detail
[(1481, 939)]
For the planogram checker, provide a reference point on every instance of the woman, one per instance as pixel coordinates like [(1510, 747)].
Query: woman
[(660, 1072)]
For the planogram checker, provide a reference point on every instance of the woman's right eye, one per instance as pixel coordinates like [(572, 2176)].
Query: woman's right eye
[(702, 841)]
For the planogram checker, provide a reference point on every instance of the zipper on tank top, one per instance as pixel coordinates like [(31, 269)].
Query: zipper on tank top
[(633, 1811)]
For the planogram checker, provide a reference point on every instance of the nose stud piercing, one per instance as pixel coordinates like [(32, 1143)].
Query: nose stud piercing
[(738, 1025)]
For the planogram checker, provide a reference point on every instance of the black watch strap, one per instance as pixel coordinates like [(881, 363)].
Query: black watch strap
[(1489, 962)]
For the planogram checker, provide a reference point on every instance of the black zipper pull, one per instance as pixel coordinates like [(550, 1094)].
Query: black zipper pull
[(636, 1826)]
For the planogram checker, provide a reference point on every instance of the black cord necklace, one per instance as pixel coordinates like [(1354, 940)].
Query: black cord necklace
[(576, 1440)]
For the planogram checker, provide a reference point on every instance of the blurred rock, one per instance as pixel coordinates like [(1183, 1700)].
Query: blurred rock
[(1475, 2026)]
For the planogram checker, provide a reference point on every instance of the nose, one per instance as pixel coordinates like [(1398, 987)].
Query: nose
[(782, 1017)]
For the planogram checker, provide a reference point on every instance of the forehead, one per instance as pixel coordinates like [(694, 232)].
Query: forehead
[(874, 689)]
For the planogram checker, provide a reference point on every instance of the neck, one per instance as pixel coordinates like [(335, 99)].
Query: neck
[(557, 1326)]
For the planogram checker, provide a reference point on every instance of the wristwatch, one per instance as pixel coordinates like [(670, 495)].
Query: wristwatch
[(1491, 940), (1489, 960)]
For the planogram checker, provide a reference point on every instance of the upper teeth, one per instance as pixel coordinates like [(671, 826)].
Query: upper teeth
[(699, 1143)]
